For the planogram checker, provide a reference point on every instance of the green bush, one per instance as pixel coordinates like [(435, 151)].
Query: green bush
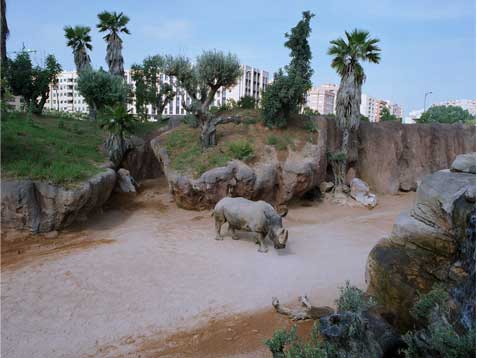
[(352, 299), (246, 102), (190, 120), (286, 344), (311, 126), (437, 297), (241, 150)]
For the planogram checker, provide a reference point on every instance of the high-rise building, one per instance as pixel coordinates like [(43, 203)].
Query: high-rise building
[(372, 107), (64, 96), (322, 98)]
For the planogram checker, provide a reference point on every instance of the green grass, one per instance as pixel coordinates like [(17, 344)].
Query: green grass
[(141, 129), (281, 142), (187, 156), (59, 150)]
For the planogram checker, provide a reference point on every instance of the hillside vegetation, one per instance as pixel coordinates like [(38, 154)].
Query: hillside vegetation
[(245, 141)]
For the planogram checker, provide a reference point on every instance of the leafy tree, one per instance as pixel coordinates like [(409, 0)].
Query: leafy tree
[(152, 89), (307, 111), (246, 102), (32, 83), (201, 81), (101, 89), (445, 114), (348, 53), (113, 23), (386, 115), (79, 40), (287, 92), (137, 75)]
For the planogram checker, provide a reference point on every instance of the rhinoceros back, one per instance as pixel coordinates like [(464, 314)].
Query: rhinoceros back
[(244, 214)]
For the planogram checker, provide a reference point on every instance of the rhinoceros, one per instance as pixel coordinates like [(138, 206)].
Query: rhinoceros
[(257, 217)]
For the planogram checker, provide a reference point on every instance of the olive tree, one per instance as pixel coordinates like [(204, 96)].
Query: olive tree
[(201, 81)]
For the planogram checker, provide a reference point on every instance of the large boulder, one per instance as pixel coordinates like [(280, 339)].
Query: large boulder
[(360, 192), (464, 163), (428, 245), (125, 183), (42, 207)]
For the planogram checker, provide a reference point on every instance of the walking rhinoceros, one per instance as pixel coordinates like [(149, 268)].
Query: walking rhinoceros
[(257, 217)]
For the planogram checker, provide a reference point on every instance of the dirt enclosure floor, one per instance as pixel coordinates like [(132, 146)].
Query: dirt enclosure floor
[(146, 279)]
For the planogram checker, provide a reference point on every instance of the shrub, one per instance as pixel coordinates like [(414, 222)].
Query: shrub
[(310, 126), (437, 297), (286, 344), (247, 102), (190, 120), (281, 143), (241, 150), (352, 299)]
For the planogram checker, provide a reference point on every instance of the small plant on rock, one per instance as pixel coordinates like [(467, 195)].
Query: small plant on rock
[(353, 299)]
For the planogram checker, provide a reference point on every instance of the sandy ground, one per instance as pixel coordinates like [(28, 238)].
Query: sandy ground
[(149, 280)]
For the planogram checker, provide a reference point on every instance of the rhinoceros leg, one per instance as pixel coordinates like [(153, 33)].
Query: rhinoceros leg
[(234, 234), (219, 221), (261, 242)]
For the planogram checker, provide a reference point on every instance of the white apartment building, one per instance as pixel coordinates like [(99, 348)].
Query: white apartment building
[(323, 98), (371, 107), (64, 96)]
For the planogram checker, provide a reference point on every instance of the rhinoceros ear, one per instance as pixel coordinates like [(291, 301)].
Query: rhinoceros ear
[(283, 211)]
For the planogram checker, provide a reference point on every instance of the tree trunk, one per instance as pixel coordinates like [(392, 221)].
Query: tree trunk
[(208, 134), (92, 111)]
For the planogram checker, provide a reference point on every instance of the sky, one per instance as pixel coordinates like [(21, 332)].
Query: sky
[(427, 45)]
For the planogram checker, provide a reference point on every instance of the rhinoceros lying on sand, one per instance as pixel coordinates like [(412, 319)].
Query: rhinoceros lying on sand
[(257, 217)]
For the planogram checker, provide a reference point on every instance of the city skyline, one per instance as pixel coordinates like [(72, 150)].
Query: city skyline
[(427, 46)]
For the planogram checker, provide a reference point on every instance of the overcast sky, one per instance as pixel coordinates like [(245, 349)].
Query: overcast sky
[(427, 45)]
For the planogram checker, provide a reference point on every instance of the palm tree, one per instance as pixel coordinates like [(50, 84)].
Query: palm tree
[(348, 53), (5, 31), (114, 24), (79, 40)]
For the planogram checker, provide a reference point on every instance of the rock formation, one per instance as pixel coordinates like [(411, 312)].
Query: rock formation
[(429, 244), (269, 179), (360, 192), (41, 207)]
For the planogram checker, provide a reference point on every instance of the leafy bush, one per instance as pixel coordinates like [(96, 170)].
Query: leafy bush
[(307, 111), (241, 150), (246, 102), (286, 344), (437, 297), (310, 126), (439, 338), (338, 156), (352, 299), (190, 120)]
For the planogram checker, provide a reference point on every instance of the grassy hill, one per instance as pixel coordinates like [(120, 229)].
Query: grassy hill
[(58, 150)]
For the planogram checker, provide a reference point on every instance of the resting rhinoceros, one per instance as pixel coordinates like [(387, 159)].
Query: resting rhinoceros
[(257, 217)]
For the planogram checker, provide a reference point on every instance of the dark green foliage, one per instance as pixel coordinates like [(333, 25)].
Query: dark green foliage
[(437, 297), (287, 92), (117, 120), (44, 149), (307, 111), (32, 83), (352, 299), (387, 116), (190, 120), (150, 89), (101, 89), (247, 102), (364, 118), (438, 338), (445, 114), (241, 150), (79, 40)]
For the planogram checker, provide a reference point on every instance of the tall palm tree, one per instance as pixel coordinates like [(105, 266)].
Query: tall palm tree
[(114, 24), (5, 31), (79, 40), (358, 46)]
